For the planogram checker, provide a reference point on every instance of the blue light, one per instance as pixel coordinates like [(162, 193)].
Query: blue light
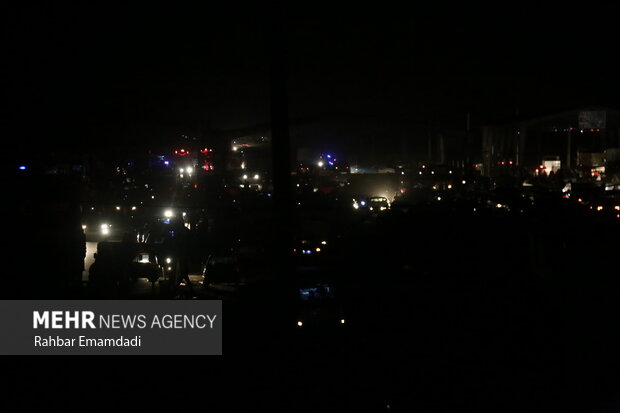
[(329, 156), (22, 168), (331, 163), (166, 163)]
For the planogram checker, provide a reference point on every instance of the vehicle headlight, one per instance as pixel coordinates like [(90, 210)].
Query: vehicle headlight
[(168, 260), (342, 321), (105, 229), (300, 324)]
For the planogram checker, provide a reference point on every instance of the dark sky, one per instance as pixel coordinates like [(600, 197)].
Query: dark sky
[(93, 73)]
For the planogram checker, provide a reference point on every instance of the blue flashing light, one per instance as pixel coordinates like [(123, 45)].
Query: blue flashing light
[(22, 168), (166, 163), (329, 156)]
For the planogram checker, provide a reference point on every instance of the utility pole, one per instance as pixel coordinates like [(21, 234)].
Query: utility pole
[(568, 151), (430, 144), (280, 142), (467, 145)]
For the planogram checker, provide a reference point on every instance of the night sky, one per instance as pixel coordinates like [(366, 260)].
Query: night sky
[(88, 74)]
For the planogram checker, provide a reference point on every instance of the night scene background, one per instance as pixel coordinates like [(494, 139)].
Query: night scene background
[(403, 208)]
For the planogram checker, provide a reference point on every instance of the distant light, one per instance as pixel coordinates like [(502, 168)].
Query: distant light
[(439, 198), (166, 163), (299, 324), (450, 172), (189, 169), (181, 170), (599, 208), (463, 182), (83, 227), (617, 207), (420, 173), (449, 186), (324, 242), (432, 172), (245, 177), (499, 206), (320, 164), (329, 156), (22, 168), (256, 176), (363, 203), (118, 208), (184, 213), (133, 208), (168, 213), (342, 321), (318, 249), (234, 148), (168, 260)]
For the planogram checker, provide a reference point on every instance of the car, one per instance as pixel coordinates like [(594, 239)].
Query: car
[(145, 264), (221, 268), (318, 307)]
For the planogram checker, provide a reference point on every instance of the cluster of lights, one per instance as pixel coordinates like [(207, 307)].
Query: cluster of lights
[(181, 152)]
